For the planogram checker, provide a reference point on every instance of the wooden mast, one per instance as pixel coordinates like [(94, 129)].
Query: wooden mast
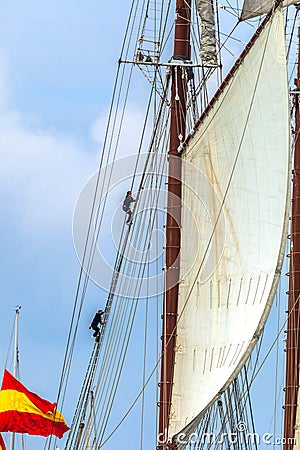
[(293, 330), (177, 134)]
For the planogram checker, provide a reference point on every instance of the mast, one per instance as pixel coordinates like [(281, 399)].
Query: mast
[(177, 134), (292, 339), (16, 362)]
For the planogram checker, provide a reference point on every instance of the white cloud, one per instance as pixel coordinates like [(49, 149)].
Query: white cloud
[(41, 171)]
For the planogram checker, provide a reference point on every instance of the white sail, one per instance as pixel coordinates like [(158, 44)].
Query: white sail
[(235, 189), (254, 8), (208, 51)]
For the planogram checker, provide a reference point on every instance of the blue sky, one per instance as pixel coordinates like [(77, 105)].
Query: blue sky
[(60, 59), (57, 66)]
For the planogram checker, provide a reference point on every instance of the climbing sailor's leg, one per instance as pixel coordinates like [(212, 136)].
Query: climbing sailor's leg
[(129, 212)]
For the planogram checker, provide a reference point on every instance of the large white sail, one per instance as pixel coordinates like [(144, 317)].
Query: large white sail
[(235, 192), (254, 8)]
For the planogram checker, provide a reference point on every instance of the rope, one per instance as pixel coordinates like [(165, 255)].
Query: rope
[(228, 182), (121, 316)]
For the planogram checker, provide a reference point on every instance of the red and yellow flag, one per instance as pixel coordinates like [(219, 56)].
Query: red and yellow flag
[(22, 411), (2, 445)]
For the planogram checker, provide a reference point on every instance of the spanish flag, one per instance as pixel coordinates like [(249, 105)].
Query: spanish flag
[(22, 411), (2, 445)]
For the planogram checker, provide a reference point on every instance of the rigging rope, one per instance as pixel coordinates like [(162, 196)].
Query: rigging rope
[(122, 317)]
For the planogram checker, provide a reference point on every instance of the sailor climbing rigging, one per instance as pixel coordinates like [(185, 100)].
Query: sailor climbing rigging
[(96, 321), (126, 206)]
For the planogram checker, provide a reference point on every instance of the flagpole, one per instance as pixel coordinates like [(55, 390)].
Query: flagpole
[(16, 362)]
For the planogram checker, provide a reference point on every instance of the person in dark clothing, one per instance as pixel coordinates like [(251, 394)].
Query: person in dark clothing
[(95, 322), (126, 206)]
